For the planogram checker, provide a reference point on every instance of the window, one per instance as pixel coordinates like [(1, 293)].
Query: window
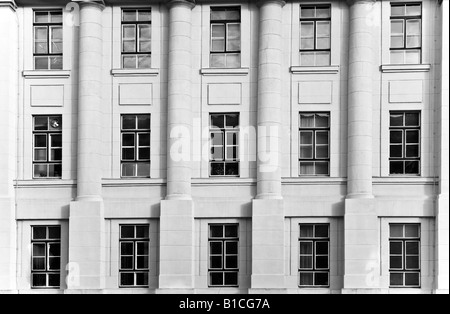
[(136, 146), (314, 268), (223, 255), (134, 256), (314, 144), (404, 255), (224, 145), (404, 150), (48, 40), (315, 35), (406, 33), (226, 37), (46, 257), (47, 147), (136, 39)]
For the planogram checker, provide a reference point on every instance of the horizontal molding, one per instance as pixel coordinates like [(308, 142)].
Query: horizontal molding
[(132, 182), (402, 68), (134, 72), (225, 72), (46, 74), (50, 183), (332, 69)]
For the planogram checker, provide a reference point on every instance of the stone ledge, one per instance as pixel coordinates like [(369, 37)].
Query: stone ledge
[(134, 72), (48, 74), (224, 72), (402, 68), (332, 69)]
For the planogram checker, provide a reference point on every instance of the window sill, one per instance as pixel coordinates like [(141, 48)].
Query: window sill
[(46, 74), (134, 72), (402, 68), (224, 72), (332, 69)]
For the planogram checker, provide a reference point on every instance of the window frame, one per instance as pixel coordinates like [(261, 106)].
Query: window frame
[(135, 270), (224, 269), (225, 131), (47, 243), (225, 23), (137, 40), (314, 240), (404, 269), (137, 132), (315, 20), (49, 26), (314, 130), (405, 18), (49, 134), (405, 130)]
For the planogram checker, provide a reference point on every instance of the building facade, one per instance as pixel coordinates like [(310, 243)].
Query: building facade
[(186, 146)]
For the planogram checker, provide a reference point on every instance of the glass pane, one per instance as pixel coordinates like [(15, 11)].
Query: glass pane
[(322, 152), (143, 170), (396, 151), (145, 32), (231, 231), (128, 154), (56, 17), (306, 248), (307, 43), (307, 120), (412, 119), (413, 41), (306, 152), (231, 248), (126, 248), (232, 153), (39, 250), (396, 262), (413, 27), (396, 167), (41, 63), (412, 262), (126, 262), (128, 140), (412, 167), (412, 231), (396, 248), (40, 155), (323, 12), (54, 233), (129, 62), (397, 27), (396, 279), (397, 57), (129, 16), (233, 60), (398, 10), (142, 262), (144, 139), (322, 248), (40, 123), (307, 59), (412, 57), (54, 171), (414, 10), (40, 140), (232, 169), (39, 280), (307, 29), (40, 171), (216, 279), (397, 41), (306, 279), (216, 248), (231, 279), (307, 12), (322, 138), (218, 45), (39, 263), (145, 46), (225, 15), (321, 279), (396, 137), (322, 58), (127, 279), (144, 16), (322, 262), (56, 63), (41, 17), (144, 153), (217, 169), (306, 262), (127, 232), (321, 231), (143, 122), (128, 170), (142, 232), (396, 119), (232, 138), (217, 61), (217, 153), (56, 140), (396, 231), (232, 120), (215, 262), (323, 29), (57, 36), (54, 249), (231, 262), (322, 120), (412, 279), (54, 263), (412, 151), (306, 168), (234, 37), (306, 138), (306, 231), (128, 122), (129, 46), (144, 62), (55, 123), (217, 139), (216, 231), (218, 31), (217, 121), (142, 279), (322, 168)]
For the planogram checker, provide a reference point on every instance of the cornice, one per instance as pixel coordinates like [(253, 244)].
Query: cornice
[(12, 4)]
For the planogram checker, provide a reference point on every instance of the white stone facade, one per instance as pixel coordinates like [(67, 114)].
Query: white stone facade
[(359, 200)]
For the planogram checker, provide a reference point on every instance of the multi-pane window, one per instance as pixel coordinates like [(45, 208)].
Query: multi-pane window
[(48, 40), (224, 159), (314, 265), (315, 35), (135, 139), (134, 256), (314, 144), (406, 33), (47, 146), (404, 153), (45, 256), (136, 39), (404, 255), (223, 255), (225, 37)]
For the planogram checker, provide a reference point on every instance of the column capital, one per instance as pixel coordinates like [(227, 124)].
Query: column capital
[(262, 2), (97, 3), (189, 3), (8, 3)]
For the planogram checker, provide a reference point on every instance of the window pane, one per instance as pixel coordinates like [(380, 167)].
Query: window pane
[(144, 62), (54, 232), (218, 31), (54, 171), (40, 155), (231, 262), (217, 169), (308, 12), (127, 232), (306, 279), (231, 231), (306, 248), (144, 15), (396, 248), (323, 34), (40, 123), (323, 12), (127, 248), (396, 137), (396, 151), (307, 120), (39, 264), (40, 171), (144, 153), (126, 262), (56, 17), (216, 231), (306, 231), (322, 262), (306, 168), (414, 10), (217, 153), (128, 154), (216, 279), (216, 248), (217, 61), (397, 41), (232, 138), (41, 17), (142, 247), (322, 231), (322, 138), (55, 123), (129, 122), (225, 14), (398, 10), (215, 262), (306, 262), (231, 279), (306, 138), (322, 152), (322, 168), (412, 119), (396, 262), (397, 57), (307, 43), (396, 231), (144, 139), (39, 280), (322, 248), (396, 120), (56, 63), (232, 153), (217, 139), (231, 248), (233, 60), (127, 279), (54, 249), (54, 263), (412, 167), (397, 27), (412, 151), (412, 231), (412, 262), (129, 62), (39, 250), (321, 279), (129, 32), (142, 232), (56, 40), (412, 279), (142, 262), (232, 120), (129, 16), (307, 59), (307, 29), (396, 279), (322, 120), (41, 63), (56, 140), (234, 37), (232, 169), (143, 170), (412, 56), (217, 121), (40, 42), (142, 279), (322, 58), (306, 152), (128, 170), (40, 140), (128, 140)]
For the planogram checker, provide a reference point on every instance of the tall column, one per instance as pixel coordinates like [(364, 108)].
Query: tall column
[(268, 266), (361, 220), (177, 212), (9, 63), (87, 225), (442, 212)]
